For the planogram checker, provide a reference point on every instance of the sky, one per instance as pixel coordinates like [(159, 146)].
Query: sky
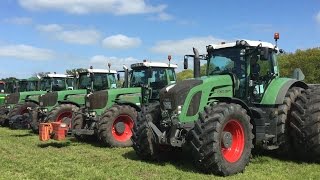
[(55, 35)]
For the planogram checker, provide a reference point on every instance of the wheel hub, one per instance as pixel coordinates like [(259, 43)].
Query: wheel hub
[(226, 139), (120, 127)]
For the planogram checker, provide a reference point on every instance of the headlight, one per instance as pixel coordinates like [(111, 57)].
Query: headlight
[(41, 103), (179, 109), (45, 110), (92, 113), (87, 103), (167, 105)]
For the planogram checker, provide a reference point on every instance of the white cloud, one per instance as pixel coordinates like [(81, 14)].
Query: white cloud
[(77, 36), (318, 17), (49, 28), (27, 52), (121, 41), (116, 7), (19, 20), (184, 46), (162, 16), (101, 61)]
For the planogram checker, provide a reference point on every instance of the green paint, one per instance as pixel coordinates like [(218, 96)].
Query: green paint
[(222, 85), (273, 89)]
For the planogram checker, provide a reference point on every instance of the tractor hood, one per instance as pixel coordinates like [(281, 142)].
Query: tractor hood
[(188, 97)]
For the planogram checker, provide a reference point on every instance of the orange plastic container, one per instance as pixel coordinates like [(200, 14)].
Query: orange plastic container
[(59, 133), (45, 130)]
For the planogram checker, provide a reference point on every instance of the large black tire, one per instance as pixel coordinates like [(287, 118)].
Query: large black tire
[(211, 153), (305, 126), (59, 112), (3, 115), (284, 118), (77, 123), (144, 142), (115, 126), (34, 125), (21, 109)]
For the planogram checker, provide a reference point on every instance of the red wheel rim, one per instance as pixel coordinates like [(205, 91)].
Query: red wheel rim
[(234, 152), (24, 111), (67, 114), (128, 124)]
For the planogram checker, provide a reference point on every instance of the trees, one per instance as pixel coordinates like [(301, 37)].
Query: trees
[(307, 60), (73, 71)]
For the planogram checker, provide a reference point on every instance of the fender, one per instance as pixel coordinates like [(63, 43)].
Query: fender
[(236, 101), (277, 89), (137, 107), (33, 101), (69, 102)]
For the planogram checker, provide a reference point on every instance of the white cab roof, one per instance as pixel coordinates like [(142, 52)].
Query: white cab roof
[(251, 43), (57, 75), (101, 71), (152, 64)]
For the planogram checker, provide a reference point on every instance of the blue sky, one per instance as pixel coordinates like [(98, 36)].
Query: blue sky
[(41, 35)]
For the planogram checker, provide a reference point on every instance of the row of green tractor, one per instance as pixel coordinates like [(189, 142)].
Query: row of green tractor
[(241, 104)]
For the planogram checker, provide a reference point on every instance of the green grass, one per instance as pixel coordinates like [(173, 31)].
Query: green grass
[(23, 156)]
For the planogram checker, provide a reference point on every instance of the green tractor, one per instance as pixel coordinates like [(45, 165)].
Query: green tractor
[(110, 114), (18, 104), (14, 87), (242, 103), (55, 106)]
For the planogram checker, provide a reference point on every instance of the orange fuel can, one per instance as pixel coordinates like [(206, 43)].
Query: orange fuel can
[(59, 131), (45, 130)]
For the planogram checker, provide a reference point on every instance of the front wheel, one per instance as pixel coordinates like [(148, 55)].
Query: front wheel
[(115, 126), (222, 139)]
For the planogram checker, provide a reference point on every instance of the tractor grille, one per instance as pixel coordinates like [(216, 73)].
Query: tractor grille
[(177, 94), (13, 98), (49, 99), (98, 99)]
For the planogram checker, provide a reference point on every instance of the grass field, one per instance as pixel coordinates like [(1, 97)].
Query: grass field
[(22, 156)]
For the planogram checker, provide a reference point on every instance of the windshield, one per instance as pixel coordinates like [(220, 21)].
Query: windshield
[(32, 85), (56, 83), (158, 77), (22, 86), (100, 81), (226, 60)]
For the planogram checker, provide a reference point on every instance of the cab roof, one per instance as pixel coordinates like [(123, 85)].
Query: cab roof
[(249, 43), (152, 64), (53, 75), (101, 71)]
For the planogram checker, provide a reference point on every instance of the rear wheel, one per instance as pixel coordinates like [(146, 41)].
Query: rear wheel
[(61, 112), (284, 118), (222, 139), (3, 115), (144, 142), (21, 109), (115, 126), (305, 127)]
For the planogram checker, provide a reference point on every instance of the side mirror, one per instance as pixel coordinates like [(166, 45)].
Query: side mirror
[(185, 62), (298, 74), (264, 53), (281, 51), (118, 77)]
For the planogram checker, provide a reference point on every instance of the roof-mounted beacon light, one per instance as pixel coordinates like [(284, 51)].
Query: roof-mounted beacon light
[(276, 37), (109, 65), (169, 59)]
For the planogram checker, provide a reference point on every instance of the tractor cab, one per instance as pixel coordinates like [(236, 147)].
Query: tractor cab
[(30, 84), (155, 75), (56, 82), (2, 86), (97, 79), (252, 65)]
